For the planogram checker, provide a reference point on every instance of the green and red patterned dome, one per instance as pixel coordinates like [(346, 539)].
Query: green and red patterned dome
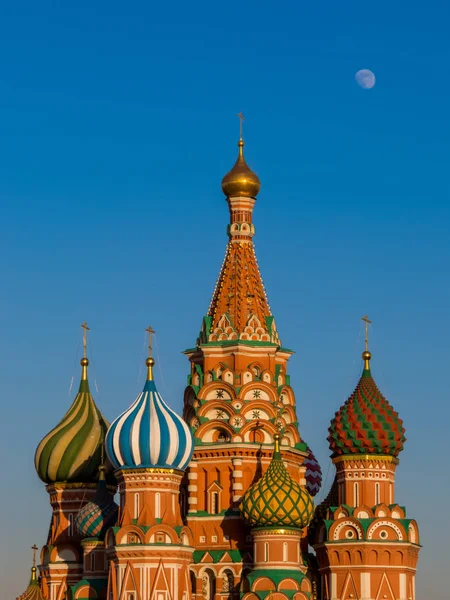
[(366, 423), (276, 500)]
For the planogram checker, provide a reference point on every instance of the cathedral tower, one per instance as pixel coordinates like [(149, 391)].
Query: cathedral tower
[(150, 549), (238, 397), (367, 547), (67, 460), (277, 509)]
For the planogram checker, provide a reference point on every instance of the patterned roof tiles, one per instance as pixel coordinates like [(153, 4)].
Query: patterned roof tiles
[(366, 423)]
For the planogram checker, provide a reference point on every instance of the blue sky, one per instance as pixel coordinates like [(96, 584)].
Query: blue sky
[(117, 123)]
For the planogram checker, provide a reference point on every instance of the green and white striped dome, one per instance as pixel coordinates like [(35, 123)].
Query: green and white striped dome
[(72, 451)]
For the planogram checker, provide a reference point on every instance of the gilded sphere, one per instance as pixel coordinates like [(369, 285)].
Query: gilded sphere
[(241, 181), (366, 355), (84, 362), (150, 362)]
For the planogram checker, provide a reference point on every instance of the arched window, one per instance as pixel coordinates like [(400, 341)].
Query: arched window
[(193, 582), (158, 505), (209, 585), (228, 583), (223, 437), (285, 551), (377, 493), (136, 506), (356, 494)]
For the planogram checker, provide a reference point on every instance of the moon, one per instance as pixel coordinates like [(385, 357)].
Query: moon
[(365, 79)]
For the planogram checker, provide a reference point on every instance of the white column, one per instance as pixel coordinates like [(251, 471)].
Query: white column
[(365, 586), (237, 479), (403, 587), (192, 487), (333, 586)]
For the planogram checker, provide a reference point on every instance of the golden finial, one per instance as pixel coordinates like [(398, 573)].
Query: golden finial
[(241, 181), (84, 361), (150, 360), (276, 439), (33, 568), (35, 549), (102, 468), (241, 124), (366, 355)]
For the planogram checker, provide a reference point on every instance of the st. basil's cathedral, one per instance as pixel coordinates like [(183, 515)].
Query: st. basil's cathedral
[(218, 504)]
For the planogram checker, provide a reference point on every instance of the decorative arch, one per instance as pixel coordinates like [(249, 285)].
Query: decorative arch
[(209, 391), (350, 524), (398, 529), (288, 584), (286, 395), (65, 553), (126, 533), (259, 385), (262, 584), (209, 432), (86, 591)]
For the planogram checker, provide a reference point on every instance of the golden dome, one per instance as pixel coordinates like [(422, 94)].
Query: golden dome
[(241, 181)]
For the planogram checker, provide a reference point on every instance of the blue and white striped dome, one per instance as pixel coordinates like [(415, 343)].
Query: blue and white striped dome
[(149, 434)]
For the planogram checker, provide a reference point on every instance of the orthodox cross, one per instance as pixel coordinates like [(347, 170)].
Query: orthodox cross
[(367, 323), (241, 122), (86, 329), (150, 332), (35, 549)]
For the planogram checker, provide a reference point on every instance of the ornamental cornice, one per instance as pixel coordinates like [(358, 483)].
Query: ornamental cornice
[(261, 532), (239, 450), (136, 472), (92, 543), (365, 458), (54, 487)]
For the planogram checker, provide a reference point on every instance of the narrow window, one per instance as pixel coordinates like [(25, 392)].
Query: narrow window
[(356, 494), (92, 561), (215, 503), (70, 525), (136, 506), (266, 552), (377, 493), (285, 551), (158, 505)]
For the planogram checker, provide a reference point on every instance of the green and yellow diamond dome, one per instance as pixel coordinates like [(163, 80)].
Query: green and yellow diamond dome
[(276, 500), (72, 451)]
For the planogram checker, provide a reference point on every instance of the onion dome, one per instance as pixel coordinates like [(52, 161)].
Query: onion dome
[(149, 434), (313, 473), (276, 500), (71, 452), (97, 516), (241, 181), (33, 591), (366, 423)]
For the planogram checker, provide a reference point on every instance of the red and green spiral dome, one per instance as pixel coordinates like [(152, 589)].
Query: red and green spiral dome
[(366, 423)]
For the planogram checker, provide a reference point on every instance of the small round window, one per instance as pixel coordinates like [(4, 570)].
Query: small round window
[(383, 534), (350, 534)]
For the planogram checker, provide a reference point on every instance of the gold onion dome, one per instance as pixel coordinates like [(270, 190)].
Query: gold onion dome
[(72, 451), (276, 500), (241, 180), (33, 591)]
